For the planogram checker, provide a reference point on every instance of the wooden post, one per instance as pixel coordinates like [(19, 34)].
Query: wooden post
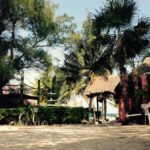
[(90, 113), (97, 112), (21, 88), (39, 92), (90, 103), (105, 109)]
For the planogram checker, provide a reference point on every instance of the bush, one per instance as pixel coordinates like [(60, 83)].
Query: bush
[(74, 115), (8, 115), (52, 114), (58, 115)]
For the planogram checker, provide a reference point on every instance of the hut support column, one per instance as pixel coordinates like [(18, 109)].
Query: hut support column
[(90, 115), (97, 112), (90, 103), (105, 109)]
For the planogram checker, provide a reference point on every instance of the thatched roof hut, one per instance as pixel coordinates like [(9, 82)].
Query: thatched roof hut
[(147, 61), (144, 66), (101, 84)]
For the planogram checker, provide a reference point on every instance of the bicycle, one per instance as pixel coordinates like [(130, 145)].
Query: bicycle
[(30, 116)]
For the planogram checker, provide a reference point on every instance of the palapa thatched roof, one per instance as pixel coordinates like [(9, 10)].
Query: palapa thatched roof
[(147, 61), (101, 84), (144, 66)]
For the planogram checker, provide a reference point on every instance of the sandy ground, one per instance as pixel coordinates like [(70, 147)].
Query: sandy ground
[(75, 137)]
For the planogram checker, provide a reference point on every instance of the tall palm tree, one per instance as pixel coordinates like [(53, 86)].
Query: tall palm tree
[(116, 18), (128, 38)]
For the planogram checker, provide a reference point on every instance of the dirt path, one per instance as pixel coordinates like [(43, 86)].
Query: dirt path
[(75, 137)]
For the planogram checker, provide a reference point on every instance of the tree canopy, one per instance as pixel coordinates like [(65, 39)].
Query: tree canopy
[(26, 28), (118, 22)]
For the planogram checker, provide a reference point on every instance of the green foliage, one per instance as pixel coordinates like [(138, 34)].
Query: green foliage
[(21, 35), (85, 59), (8, 115), (6, 72), (57, 115), (53, 114), (119, 13), (51, 81), (64, 93), (128, 39), (27, 27), (74, 115)]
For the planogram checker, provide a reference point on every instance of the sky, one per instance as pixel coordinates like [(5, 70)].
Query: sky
[(80, 8)]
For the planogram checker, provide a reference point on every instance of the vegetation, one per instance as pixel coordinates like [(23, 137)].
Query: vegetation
[(51, 81), (111, 38), (128, 37), (51, 114), (26, 28), (85, 59)]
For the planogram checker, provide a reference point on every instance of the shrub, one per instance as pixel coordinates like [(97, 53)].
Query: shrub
[(60, 115), (52, 114), (8, 115), (74, 115)]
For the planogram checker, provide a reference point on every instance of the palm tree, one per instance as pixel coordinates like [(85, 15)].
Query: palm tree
[(51, 81), (116, 19), (85, 59), (129, 38), (136, 39)]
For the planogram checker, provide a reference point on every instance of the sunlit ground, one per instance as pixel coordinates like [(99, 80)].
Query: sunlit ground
[(75, 137)]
